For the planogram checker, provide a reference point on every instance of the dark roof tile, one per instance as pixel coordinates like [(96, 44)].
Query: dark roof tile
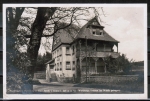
[(84, 31), (68, 35)]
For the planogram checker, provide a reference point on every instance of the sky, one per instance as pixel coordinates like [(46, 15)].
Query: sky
[(125, 24)]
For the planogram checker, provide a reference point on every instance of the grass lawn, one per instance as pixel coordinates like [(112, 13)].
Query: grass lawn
[(91, 88)]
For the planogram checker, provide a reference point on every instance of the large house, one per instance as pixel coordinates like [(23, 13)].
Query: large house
[(80, 52)]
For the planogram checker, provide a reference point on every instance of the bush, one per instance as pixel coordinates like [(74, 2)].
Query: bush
[(17, 72), (119, 64), (111, 64), (124, 63)]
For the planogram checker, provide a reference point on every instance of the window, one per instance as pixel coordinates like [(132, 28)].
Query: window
[(95, 23), (57, 66), (94, 32), (60, 51), (58, 58), (60, 66), (99, 32), (73, 65), (68, 67), (67, 50), (73, 49)]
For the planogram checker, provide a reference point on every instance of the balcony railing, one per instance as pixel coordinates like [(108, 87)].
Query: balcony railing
[(97, 54)]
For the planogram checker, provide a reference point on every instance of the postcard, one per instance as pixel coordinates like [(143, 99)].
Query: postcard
[(75, 51)]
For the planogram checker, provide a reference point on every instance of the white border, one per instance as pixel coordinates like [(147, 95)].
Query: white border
[(75, 96)]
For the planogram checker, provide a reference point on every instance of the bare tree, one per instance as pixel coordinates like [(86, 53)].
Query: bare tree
[(51, 20), (46, 24), (43, 14)]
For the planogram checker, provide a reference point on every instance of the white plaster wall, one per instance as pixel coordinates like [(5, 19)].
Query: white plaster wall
[(68, 58), (48, 72), (63, 58), (73, 58), (68, 73), (58, 59)]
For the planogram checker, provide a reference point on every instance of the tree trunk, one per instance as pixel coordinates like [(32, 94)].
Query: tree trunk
[(43, 14)]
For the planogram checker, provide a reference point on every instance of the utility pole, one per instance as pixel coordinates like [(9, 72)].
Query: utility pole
[(86, 55)]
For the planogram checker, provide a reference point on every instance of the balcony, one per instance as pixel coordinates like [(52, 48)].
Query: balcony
[(97, 54)]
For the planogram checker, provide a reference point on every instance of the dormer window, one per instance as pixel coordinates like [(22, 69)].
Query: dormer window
[(94, 32), (94, 23), (99, 33)]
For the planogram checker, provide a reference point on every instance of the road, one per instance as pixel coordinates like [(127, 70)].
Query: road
[(69, 88)]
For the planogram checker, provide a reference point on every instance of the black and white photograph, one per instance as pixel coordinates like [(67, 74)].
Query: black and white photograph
[(75, 51)]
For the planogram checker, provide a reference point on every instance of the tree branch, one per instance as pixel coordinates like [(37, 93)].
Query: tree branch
[(66, 25)]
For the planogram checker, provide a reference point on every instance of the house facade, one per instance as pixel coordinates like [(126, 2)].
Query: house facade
[(76, 53)]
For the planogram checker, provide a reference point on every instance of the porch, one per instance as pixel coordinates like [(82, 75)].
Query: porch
[(96, 54), (91, 65)]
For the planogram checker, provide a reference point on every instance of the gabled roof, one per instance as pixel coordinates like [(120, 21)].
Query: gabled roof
[(71, 33), (66, 35), (84, 31)]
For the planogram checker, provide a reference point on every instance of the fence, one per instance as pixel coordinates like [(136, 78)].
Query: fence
[(40, 75), (111, 79)]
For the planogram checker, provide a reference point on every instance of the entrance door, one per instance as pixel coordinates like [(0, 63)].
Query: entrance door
[(52, 68)]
